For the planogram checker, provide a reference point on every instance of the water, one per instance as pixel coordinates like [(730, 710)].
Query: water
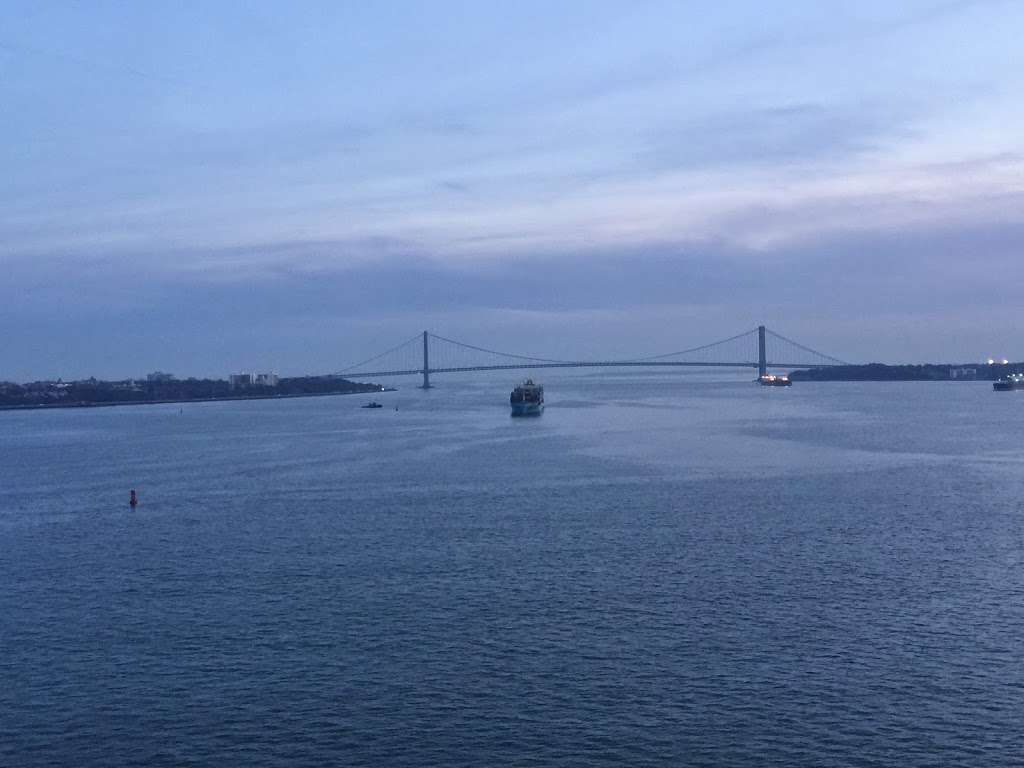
[(662, 570)]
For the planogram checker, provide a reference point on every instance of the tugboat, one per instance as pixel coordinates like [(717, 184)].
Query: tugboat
[(373, 405), (527, 399), (1012, 382), (771, 380)]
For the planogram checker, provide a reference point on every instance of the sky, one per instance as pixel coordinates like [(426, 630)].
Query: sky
[(212, 187)]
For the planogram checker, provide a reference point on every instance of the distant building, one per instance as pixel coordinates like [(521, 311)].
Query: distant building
[(158, 376), (246, 380), (241, 380), (963, 374)]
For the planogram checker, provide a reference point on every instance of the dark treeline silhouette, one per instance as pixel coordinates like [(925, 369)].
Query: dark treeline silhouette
[(927, 372), (44, 394)]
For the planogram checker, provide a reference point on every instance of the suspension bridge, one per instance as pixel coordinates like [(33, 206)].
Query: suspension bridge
[(426, 354)]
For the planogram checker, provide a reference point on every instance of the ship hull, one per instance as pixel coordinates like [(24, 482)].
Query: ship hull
[(1008, 386), (527, 409)]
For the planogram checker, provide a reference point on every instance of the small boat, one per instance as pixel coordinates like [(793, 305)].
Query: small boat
[(1014, 381), (527, 399), (373, 405), (771, 380)]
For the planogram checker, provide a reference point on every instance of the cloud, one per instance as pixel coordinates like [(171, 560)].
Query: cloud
[(798, 134), (911, 199), (299, 177), (867, 295)]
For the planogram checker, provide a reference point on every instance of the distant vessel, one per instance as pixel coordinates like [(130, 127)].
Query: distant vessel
[(1010, 383), (527, 399), (771, 380), (373, 405)]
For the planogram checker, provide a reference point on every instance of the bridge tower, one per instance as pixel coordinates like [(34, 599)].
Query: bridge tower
[(426, 363), (762, 360)]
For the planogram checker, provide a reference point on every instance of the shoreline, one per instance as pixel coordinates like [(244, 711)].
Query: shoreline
[(110, 404)]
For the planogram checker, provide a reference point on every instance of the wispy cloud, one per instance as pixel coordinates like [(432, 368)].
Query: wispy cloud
[(803, 135)]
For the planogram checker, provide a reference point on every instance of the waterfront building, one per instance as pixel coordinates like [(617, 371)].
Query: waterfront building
[(241, 380), (963, 374)]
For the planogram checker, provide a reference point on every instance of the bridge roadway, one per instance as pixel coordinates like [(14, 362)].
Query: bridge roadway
[(605, 364)]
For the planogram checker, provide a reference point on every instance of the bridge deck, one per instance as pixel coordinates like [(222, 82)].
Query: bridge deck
[(532, 366)]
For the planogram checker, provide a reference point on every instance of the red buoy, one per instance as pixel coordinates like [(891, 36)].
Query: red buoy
[(133, 501)]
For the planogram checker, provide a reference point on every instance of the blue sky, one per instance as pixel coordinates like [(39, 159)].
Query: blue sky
[(211, 187)]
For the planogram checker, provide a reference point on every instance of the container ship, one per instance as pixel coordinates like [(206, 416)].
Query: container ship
[(771, 380), (1010, 383), (527, 399)]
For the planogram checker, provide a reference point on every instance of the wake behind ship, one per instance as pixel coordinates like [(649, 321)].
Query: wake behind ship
[(527, 399)]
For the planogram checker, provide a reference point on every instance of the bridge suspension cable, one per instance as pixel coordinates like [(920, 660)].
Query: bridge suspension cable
[(374, 359), (500, 354), (701, 348), (816, 353)]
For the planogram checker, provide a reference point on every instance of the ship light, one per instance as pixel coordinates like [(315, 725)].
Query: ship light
[(1006, 362), (990, 361)]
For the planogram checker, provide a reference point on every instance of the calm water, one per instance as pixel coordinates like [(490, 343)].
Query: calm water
[(661, 570)]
